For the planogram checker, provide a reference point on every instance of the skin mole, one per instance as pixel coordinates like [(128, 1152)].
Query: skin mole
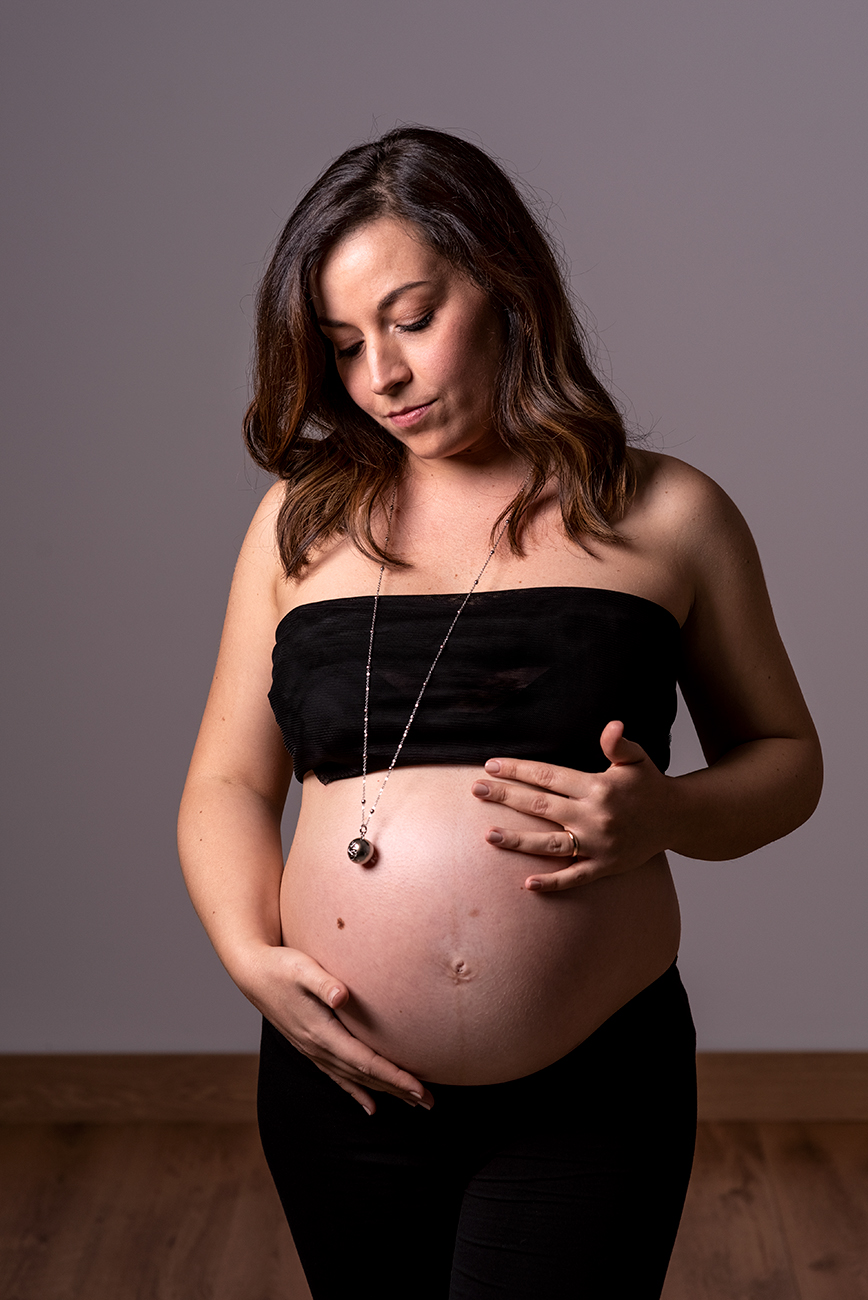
[(340, 923)]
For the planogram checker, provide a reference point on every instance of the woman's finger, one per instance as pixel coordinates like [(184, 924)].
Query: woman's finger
[(315, 980), (382, 1075), (417, 1096), (556, 844), (372, 1072), (526, 799), (336, 1051), (546, 776), (617, 748), (320, 1035), (570, 877)]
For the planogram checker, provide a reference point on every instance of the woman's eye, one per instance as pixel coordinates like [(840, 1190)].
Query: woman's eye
[(417, 324), (346, 354)]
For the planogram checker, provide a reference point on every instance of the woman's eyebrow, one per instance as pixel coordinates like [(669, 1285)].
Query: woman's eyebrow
[(388, 301)]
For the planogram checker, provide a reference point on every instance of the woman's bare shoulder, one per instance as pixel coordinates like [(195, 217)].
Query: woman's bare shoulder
[(262, 533), (258, 578), (259, 547), (334, 567), (679, 498), (663, 478)]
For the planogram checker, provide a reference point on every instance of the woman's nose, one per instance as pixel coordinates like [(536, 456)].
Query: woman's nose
[(388, 368)]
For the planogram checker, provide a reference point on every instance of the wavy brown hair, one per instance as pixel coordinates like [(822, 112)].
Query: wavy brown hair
[(549, 408)]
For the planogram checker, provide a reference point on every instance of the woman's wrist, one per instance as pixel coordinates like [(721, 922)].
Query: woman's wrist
[(755, 793), (677, 810), (250, 963)]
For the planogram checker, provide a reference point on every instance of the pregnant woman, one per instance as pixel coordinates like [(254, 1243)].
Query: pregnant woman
[(460, 615)]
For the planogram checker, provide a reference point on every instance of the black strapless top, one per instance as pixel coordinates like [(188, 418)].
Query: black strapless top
[(534, 672)]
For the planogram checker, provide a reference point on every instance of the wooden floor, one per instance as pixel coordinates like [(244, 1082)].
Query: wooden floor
[(187, 1211)]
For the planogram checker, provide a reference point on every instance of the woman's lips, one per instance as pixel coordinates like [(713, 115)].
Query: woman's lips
[(409, 415)]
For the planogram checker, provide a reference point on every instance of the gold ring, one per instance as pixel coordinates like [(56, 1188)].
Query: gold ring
[(576, 850)]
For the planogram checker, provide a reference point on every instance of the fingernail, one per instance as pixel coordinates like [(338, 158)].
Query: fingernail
[(333, 996), (534, 884), (481, 788), (494, 837), (492, 766), (426, 1105), (367, 1109), (417, 1095)]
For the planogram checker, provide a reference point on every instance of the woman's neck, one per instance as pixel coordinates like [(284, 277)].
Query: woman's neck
[(457, 485)]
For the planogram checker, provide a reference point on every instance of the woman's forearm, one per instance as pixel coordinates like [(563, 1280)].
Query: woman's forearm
[(230, 850), (229, 844), (755, 793)]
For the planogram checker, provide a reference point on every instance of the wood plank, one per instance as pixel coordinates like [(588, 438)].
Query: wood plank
[(168, 1212), (177, 1212), (820, 1175), (780, 1086), (65, 1187), (259, 1231), (731, 1245), (101, 1088), (219, 1088)]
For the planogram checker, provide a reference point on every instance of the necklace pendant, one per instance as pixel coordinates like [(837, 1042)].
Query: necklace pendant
[(361, 851)]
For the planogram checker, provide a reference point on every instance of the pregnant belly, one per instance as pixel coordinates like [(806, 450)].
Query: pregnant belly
[(455, 971)]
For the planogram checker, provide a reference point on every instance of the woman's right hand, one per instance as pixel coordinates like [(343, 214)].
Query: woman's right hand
[(300, 999)]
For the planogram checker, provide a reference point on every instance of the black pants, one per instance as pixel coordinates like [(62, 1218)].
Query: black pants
[(567, 1183)]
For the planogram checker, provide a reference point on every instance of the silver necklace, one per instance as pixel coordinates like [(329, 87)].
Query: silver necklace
[(361, 850)]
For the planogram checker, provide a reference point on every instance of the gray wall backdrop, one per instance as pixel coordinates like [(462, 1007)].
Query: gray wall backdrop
[(703, 164)]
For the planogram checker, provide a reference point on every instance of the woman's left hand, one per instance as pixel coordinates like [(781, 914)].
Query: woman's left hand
[(617, 816)]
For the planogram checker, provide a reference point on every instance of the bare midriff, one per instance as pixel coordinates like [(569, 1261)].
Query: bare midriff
[(457, 972)]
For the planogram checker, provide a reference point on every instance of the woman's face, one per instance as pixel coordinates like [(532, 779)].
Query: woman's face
[(417, 344)]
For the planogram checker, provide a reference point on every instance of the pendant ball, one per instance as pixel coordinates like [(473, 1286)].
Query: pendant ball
[(361, 851)]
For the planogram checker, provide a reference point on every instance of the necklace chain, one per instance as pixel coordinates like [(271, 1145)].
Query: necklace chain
[(364, 853)]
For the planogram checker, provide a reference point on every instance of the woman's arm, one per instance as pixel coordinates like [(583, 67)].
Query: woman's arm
[(765, 766), (229, 838), (229, 822)]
